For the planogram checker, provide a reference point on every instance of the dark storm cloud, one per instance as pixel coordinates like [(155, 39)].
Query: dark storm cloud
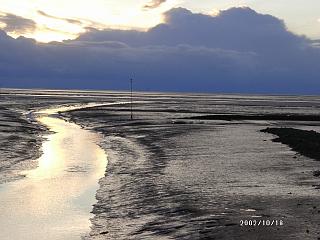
[(237, 51), (236, 28), (154, 4), (17, 24)]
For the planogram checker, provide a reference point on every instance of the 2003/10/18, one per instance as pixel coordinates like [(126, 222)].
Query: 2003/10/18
[(260, 222)]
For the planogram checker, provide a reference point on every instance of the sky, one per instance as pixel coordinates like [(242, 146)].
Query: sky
[(57, 20), (216, 46)]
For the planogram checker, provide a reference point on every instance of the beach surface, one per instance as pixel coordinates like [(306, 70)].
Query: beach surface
[(175, 173)]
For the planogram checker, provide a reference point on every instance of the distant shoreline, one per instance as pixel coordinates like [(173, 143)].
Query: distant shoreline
[(155, 91), (267, 117)]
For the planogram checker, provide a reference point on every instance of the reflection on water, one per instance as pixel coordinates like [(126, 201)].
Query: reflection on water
[(54, 200)]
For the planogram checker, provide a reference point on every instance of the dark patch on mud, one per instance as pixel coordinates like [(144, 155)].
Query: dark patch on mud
[(304, 142)]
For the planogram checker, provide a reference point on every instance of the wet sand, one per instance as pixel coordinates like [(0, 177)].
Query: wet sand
[(197, 180), (20, 143)]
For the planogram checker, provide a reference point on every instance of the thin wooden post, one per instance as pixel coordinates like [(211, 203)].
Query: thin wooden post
[(131, 88)]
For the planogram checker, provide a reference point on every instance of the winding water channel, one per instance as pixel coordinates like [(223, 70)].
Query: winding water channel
[(54, 200)]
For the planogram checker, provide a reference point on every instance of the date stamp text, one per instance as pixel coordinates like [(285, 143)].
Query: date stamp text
[(260, 222)]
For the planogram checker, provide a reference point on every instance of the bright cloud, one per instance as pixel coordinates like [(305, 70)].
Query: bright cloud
[(70, 18)]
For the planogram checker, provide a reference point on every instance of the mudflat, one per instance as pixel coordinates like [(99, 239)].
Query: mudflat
[(173, 174)]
